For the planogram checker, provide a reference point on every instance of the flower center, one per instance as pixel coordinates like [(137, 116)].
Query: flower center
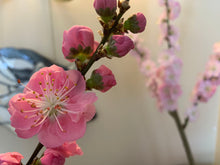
[(51, 102)]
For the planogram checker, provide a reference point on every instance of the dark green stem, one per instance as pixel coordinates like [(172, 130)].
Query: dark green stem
[(103, 41), (175, 116), (36, 151), (186, 122)]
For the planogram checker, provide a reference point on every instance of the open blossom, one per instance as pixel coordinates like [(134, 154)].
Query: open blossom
[(136, 23), (11, 158), (166, 57), (168, 74), (203, 91), (168, 96), (78, 43), (148, 67), (119, 45), (56, 156), (212, 69), (52, 105)]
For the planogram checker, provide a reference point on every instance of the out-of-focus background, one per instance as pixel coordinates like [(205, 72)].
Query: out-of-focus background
[(128, 129)]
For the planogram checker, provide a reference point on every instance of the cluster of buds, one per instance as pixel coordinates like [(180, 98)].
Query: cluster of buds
[(163, 79), (80, 47), (56, 104), (207, 83)]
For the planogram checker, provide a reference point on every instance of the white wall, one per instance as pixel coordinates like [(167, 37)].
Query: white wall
[(129, 129)]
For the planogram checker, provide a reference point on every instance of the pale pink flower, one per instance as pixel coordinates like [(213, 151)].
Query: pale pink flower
[(168, 74), (11, 158), (119, 45), (170, 68), (212, 69), (78, 40), (136, 23), (148, 67), (203, 91), (53, 106), (166, 57), (168, 96), (56, 156)]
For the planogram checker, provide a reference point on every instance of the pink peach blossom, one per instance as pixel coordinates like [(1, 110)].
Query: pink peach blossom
[(148, 67), (212, 69), (168, 75), (166, 57), (168, 96), (52, 105), (11, 158), (79, 38), (203, 90)]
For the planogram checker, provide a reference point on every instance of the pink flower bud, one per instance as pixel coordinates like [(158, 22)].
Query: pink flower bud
[(105, 8), (119, 45), (56, 156), (78, 41), (52, 159), (11, 158), (136, 23), (101, 79)]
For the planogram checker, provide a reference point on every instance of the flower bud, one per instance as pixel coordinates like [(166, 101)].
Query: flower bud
[(105, 8), (78, 43), (10, 158), (101, 79), (136, 23), (119, 45)]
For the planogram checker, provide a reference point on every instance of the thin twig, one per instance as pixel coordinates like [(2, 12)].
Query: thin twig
[(185, 142)]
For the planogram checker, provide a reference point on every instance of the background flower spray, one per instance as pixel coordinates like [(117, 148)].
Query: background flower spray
[(162, 79)]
